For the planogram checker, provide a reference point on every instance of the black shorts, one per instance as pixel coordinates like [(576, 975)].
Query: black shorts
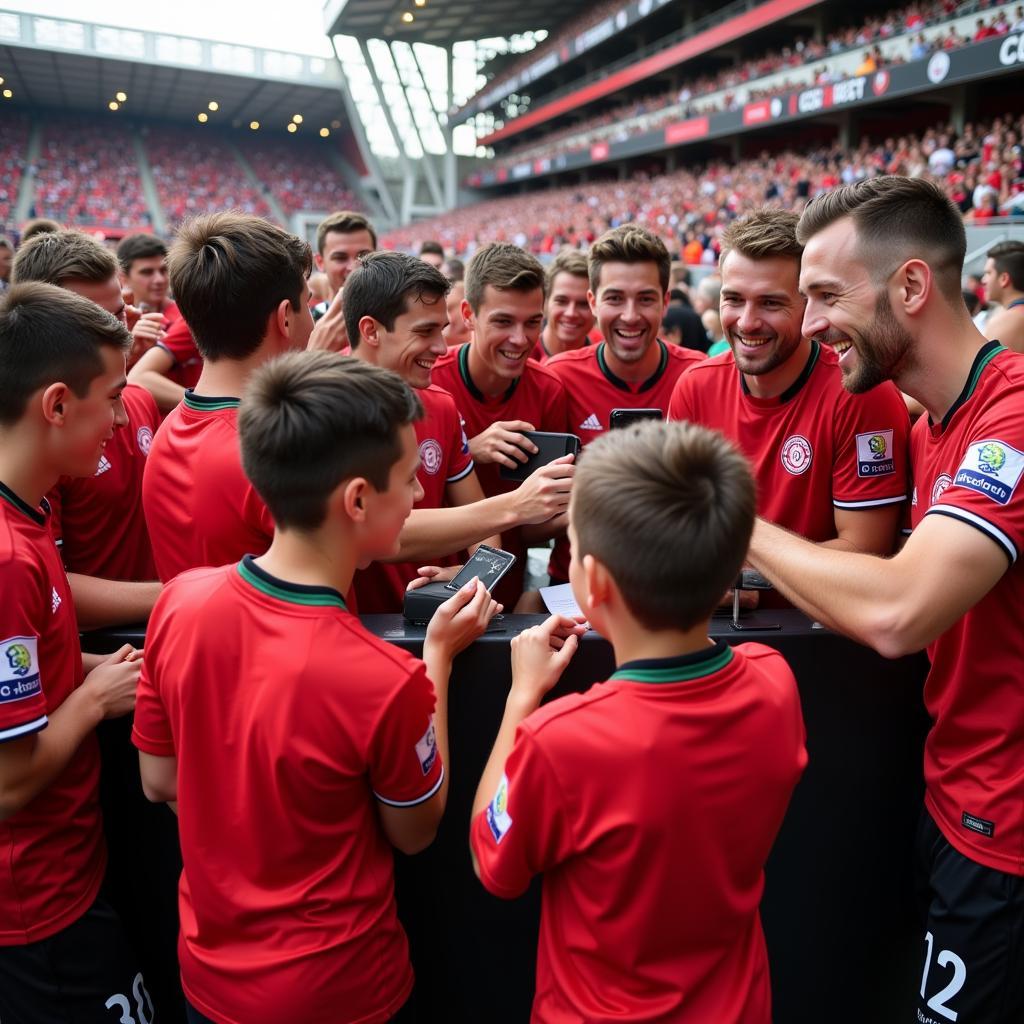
[(973, 969), (85, 973), (406, 1015)]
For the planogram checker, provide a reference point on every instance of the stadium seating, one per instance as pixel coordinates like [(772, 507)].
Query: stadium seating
[(301, 176), (13, 140)]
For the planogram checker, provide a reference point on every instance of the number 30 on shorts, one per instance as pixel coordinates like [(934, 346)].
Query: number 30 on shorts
[(946, 958), (143, 1004)]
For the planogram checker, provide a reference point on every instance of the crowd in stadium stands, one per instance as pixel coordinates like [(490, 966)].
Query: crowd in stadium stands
[(195, 173), (13, 141), (86, 177), (734, 86), (982, 169), (302, 178)]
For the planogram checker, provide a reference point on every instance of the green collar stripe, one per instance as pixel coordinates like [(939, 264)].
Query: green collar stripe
[(985, 355), (37, 516), (987, 358), (622, 385), (678, 674), (202, 403), (310, 597)]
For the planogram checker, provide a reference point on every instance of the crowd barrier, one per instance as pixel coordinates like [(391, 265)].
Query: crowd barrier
[(839, 907)]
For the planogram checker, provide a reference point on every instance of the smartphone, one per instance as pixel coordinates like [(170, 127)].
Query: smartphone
[(624, 417), (549, 448), (488, 564)]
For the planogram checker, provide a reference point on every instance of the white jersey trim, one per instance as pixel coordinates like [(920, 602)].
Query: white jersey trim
[(976, 521), (23, 730), (418, 800), (872, 503), (459, 476)]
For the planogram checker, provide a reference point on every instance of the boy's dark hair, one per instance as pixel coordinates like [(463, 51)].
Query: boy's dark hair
[(1008, 258), (138, 247), (50, 335), (433, 248), (456, 270), (382, 285), (971, 301), (344, 222), (668, 509), (310, 420), (629, 244), (229, 272), (39, 226), (505, 267), (56, 257), (896, 219)]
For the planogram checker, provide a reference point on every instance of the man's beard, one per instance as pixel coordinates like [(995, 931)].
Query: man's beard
[(881, 350)]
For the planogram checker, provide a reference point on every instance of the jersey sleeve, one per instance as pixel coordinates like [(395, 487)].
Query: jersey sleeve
[(679, 404), (460, 462), (22, 701), (524, 830), (986, 492), (151, 731), (178, 343), (555, 413), (871, 449), (405, 763), (257, 515)]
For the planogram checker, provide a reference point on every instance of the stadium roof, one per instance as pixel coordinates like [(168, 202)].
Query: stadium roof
[(443, 22)]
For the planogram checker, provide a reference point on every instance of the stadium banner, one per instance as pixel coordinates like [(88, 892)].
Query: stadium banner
[(986, 59)]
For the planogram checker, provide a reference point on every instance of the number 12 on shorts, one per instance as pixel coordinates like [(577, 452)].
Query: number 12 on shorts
[(946, 958)]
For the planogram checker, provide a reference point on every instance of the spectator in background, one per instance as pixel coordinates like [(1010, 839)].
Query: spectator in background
[(38, 226), (6, 259), (433, 253), (341, 240), (454, 269), (681, 325), (1004, 284), (569, 318), (458, 331)]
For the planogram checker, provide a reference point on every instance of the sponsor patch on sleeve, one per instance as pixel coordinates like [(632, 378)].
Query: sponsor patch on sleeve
[(875, 454), (426, 749), (497, 812), (992, 468), (19, 668)]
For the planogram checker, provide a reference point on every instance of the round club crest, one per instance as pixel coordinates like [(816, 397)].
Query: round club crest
[(144, 439), (430, 456), (797, 455), (941, 483)]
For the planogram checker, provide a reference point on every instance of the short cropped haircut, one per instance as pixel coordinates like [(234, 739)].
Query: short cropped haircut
[(382, 285), (568, 261), (344, 222), (896, 219), (505, 267), (50, 335), (59, 256), (138, 247), (432, 247), (229, 272), (1008, 258), (762, 235), (39, 226), (310, 420), (668, 509), (456, 270), (629, 244)]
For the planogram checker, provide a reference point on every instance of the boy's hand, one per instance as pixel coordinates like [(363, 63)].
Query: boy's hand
[(540, 655), (330, 333), (113, 682), (503, 443), (461, 619), (433, 574), (545, 492)]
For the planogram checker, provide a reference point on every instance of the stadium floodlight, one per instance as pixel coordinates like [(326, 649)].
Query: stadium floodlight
[(114, 105), (8, 94), (420, 3), (1, 79), (213, 105), (297, 118), (254, 125), (408, 17), (324, 132), (121, 97), (202, 117), (293, 127)]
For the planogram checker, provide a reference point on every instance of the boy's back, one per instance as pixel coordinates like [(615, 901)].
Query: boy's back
[(653, 801), (289, 722)]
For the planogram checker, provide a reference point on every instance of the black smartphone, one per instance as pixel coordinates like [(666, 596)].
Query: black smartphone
[(624, 417), (487, 563), (549, 448)]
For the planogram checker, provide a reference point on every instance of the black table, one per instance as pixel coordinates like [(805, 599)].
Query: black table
[(838, 910)]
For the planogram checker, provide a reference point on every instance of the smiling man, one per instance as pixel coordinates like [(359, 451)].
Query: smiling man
[(829, 465), (881, 269), (568, 316)]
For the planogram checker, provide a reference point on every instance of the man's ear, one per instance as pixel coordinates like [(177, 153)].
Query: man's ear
[(592, 300), (369, 332), (467, 315), (915, 282), (54, 403), (319, 261), (352, 496)]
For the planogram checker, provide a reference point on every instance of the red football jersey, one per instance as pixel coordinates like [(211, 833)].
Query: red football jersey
[(969, 467), (651, 891), (593, 390), (289, 722), (178, 344), (199, 505), (814, 448), (536, 397), (98, 521), (444, 459), (52, 856)]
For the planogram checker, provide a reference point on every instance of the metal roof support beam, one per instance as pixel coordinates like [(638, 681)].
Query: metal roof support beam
[(451, 161)]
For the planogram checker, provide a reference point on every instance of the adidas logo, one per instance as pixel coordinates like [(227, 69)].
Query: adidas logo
[(591, 423), (54, 600), (103, 466)]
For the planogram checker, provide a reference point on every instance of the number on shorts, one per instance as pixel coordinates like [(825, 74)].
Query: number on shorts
[(143, 1004), (946, 958)]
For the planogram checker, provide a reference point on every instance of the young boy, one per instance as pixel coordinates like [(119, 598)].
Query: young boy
[(62, 952), (649, 803), (298, 746)]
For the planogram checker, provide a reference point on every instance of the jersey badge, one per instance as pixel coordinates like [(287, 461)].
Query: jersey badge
[(498, 819), (19, 677), (939, 487), (103, 466), (591, 423), (992, 468), (430, 456), (797, 454), (426, 749), (144, 439), (875, 454)]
